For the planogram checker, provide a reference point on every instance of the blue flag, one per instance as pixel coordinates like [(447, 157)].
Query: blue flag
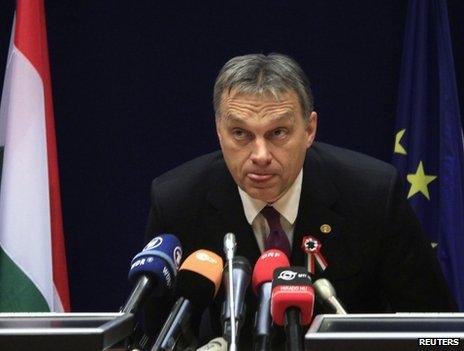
[(428, 148)]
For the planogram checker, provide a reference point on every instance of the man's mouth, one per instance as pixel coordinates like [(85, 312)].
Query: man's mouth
[(259, 177)]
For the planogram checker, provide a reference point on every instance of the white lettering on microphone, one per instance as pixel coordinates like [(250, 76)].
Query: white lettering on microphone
[(137, 263), (167, 276), (202, 256), (270, 254), (293, 288), (177, 256)]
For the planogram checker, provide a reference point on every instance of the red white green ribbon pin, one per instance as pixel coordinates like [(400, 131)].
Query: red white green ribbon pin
[(312, 247)]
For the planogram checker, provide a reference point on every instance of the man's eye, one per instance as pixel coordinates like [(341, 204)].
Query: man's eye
[(239, 134), (279, 132)]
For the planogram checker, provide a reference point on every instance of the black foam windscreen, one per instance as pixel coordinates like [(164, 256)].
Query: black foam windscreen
[(198, 289)]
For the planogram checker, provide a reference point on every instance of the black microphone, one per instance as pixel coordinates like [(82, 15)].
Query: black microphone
[(241, 271), (325, 293), (198, 281), (154, 268), (262, 284)]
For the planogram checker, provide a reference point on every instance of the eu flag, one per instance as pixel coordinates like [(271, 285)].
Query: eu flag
[(428, 147)]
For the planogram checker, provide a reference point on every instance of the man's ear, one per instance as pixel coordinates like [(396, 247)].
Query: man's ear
[(311, 127), (218, 131)]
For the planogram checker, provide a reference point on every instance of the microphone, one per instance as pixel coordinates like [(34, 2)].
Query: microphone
[(326, 293), (198, 281), (292, 303), (262, 284), (242, 273), (154, 267), (230, 245), (217, 344)]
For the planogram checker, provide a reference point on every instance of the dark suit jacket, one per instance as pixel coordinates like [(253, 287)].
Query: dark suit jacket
[(378, 259)]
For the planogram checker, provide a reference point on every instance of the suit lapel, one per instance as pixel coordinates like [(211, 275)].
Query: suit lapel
[(318, 206), (227, 212)]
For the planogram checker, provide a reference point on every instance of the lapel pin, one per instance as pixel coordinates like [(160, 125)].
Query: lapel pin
[(325, 229), (312, 247)]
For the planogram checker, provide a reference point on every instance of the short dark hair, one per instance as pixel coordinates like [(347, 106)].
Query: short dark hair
[(258, 74)]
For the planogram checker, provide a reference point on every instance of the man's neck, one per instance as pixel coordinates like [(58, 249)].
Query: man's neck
[(287, 205)]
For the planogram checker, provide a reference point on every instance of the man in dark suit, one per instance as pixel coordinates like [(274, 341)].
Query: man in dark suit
[(270, 167)]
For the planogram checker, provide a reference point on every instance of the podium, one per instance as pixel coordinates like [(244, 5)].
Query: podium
[(63, 331), (382, 332)]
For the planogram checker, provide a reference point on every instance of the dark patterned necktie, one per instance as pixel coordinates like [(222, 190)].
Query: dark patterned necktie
[(277, 239)]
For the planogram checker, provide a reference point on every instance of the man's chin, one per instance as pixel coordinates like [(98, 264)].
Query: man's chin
[(263, 194)]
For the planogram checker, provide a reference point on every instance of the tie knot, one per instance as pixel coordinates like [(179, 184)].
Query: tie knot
[(272, 216)]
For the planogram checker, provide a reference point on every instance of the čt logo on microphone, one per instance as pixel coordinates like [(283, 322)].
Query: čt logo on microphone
[(287, 275)]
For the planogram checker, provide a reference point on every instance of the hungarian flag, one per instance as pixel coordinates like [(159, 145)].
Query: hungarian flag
[(429, 149), (33, 274)]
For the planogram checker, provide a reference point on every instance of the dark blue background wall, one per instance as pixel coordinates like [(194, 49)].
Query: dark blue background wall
[(132, 84)]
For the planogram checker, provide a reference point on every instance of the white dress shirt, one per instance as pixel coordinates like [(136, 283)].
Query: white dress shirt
[(287, 206)]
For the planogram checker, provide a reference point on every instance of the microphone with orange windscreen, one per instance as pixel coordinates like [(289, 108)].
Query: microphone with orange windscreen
[(198, 281)]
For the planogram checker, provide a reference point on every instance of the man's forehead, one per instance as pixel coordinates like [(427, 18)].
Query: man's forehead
[(283, 104), (265, 96), (231, 117)]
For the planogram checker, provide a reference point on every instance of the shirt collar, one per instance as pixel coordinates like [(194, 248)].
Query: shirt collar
[(287, 205)]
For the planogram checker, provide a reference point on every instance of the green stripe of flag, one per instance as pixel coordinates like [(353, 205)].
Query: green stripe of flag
[(18, 293)]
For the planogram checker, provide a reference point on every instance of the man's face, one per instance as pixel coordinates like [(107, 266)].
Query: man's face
[(264, 141)]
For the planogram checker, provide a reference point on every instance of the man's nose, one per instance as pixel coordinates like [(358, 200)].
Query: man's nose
[(260, 154)]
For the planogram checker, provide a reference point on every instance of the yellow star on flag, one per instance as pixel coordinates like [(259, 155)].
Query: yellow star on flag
[(419, 182), (399, 149)]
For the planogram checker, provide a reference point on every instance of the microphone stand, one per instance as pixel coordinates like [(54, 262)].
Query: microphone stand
[(262, 332), (294, 340), (233, 336), (134, 299), (229, 248), (176, 335)]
